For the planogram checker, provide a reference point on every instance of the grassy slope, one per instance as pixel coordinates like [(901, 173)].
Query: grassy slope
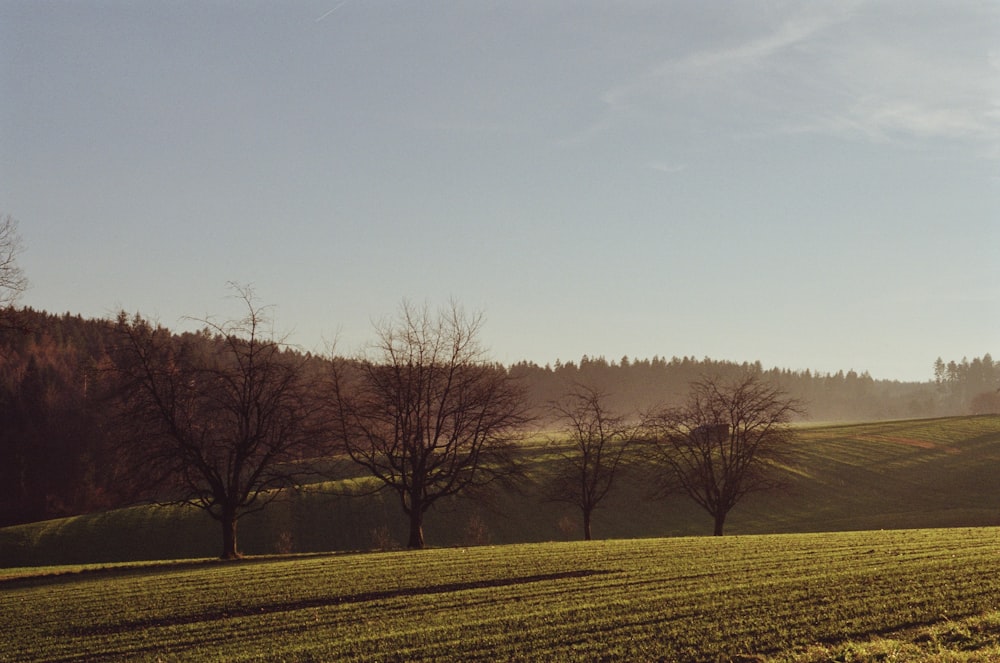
[(904, 474), (893, 595), (886, 475)]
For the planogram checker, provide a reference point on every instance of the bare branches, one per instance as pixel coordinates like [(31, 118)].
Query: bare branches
[(598, 438), (717, 447), (227, 411), (425, 413), (12, 279)]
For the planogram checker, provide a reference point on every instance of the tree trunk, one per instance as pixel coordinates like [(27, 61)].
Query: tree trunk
[(720, 520), (416, 541), (228, 521), (586, 524)]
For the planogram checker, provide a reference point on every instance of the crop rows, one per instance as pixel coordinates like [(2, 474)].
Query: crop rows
[(693, 599)]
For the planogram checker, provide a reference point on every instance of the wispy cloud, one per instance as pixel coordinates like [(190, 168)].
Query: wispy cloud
[(886, 119), (332, 10), (711, 66), (866, 71), (924, 83)]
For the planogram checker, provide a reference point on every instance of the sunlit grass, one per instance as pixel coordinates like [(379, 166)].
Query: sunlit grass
[(786, 597)]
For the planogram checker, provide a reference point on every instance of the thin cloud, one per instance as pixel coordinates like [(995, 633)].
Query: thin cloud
[(709, 64), (848, 69), (907, 94), (793, 31), (883, 120), (335, 8)]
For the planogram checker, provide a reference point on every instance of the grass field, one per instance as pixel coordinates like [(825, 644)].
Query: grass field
[(794, 585), (880, 595), (885, 475)]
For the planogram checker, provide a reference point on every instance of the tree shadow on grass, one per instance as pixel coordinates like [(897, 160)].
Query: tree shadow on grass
[(305, 604), (128, 569)]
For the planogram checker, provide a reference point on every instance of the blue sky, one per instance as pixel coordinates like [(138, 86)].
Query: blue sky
[(811, 184)]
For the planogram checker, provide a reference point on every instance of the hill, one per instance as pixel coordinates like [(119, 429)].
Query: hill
[(859, 596), (65, 449), (886, 475)]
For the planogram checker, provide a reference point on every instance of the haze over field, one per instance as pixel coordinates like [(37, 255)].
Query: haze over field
[(813, 185)]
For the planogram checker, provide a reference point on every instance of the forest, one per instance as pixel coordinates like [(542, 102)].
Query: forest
[(62, 432)]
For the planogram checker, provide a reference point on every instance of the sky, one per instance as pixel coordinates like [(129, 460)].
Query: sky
[(814, 185)]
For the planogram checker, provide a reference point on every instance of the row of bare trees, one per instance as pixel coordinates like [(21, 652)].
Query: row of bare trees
[(720, 445), (225, 418)]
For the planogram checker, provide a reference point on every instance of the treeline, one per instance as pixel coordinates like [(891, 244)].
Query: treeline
[(61, 436), (636, 385), (57, 455), (969, 386)]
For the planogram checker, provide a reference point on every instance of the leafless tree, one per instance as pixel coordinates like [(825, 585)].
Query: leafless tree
[(598, 441), (718, 446), (12, 280), (221, 415), (425, 412)]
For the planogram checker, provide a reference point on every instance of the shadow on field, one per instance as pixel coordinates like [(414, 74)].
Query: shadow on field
[(144, 568), (305, 604)]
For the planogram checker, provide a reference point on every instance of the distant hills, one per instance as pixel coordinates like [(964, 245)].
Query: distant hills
[(58, 458), (877, 475)]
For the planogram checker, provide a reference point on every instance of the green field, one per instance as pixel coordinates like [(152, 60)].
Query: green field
[(885, 475), (791, 584), (882, 595)]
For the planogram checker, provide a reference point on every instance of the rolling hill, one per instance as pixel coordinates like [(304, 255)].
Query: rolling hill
[(922, 473)]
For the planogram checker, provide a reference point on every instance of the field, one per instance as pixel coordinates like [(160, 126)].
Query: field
[(879, 595), (885, 475), (791, 584)]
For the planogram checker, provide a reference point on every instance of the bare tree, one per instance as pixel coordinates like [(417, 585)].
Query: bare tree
[(598, 440), (718, 446), (221, 415), (426, 414), (12, 280)]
